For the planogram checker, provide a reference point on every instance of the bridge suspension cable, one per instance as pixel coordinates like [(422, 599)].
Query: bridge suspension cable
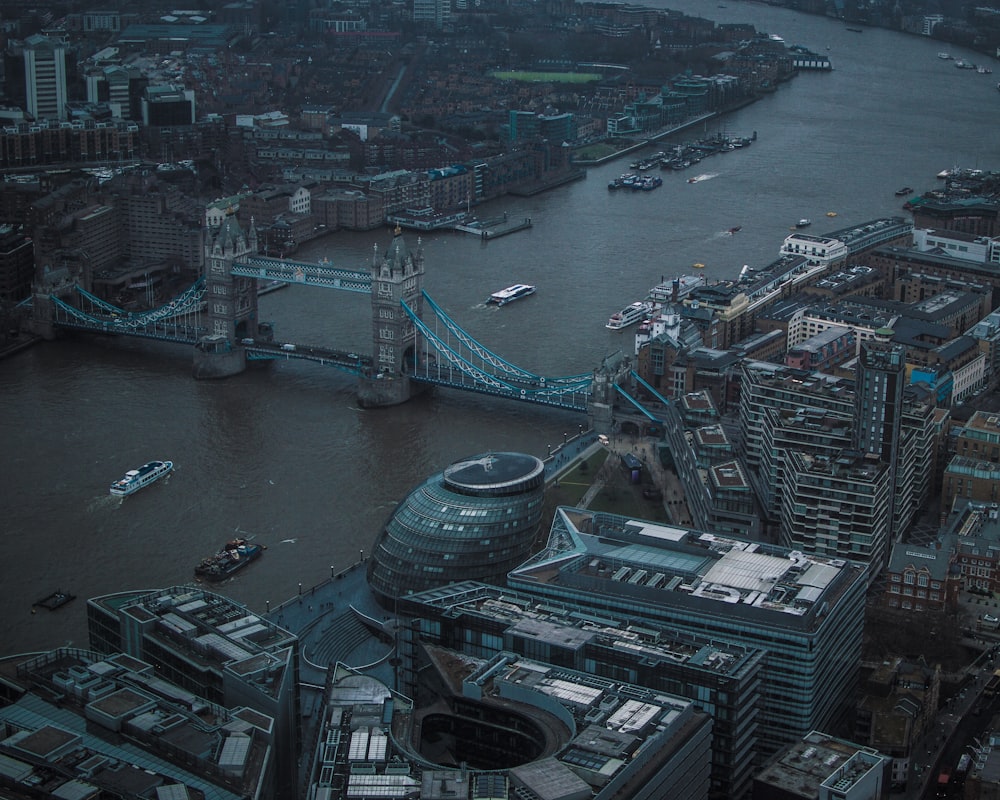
[(541, 388), (489, 356)]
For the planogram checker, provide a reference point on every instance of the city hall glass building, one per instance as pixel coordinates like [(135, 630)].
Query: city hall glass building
[(476, 520)]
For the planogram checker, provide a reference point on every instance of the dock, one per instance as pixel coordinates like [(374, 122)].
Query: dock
[(493, 227)]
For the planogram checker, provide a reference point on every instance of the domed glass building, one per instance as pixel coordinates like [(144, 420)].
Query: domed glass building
[(474, 521)]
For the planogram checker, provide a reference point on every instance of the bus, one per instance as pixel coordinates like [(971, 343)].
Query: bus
[(963, 768), (943, 780)]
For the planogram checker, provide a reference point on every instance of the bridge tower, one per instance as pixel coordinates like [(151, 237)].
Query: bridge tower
[(396, 276), (230, 301)]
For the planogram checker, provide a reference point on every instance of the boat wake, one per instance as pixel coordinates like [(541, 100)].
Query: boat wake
[(104, 501), (288, 541), (705, 176)]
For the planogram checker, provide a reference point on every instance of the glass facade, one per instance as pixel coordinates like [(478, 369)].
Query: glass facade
[(476, 520)]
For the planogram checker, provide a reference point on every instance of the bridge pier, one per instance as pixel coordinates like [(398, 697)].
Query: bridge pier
[(383, 389), (215, 357)]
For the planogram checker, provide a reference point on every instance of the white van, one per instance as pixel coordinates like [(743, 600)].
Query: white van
[(288, 347), (604, 440)]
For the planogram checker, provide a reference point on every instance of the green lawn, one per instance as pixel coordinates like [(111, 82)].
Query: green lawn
[(617, 497), (547, 77)]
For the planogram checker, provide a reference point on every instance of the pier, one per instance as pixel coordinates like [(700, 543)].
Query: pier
[(493, 227)]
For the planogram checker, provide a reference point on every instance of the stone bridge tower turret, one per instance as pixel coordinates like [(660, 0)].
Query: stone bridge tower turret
[(396, 276), (230, 301)]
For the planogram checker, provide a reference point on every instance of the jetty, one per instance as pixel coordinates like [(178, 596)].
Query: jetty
[(493, 227)]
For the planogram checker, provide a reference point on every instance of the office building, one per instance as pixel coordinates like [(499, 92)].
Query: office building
[(45, 77), (213, 648), (807, 610), (74, 724), (512, 727), (477, 519), (484, 621), (823, 767)]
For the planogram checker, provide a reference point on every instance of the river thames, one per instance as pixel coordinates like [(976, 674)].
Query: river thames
[(285, 454)]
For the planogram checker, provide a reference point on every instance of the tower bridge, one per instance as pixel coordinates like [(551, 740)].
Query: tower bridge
[(415, 344)]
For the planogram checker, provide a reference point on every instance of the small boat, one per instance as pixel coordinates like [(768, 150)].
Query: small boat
[(904, 191), (234, 556), (698, 265), (856, 30), (735, 229), (510, 294), (831, 213), (136, 479), (945, 56), (631, 314), (803, 223)]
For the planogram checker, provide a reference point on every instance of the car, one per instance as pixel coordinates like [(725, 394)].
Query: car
[(246, 341), (288, 347), (990, 618)]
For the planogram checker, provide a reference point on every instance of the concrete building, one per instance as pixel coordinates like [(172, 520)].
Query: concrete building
[(808, 609), (75, 725), (897, 709), (512, 727), (483, 621), (838, 507), (214, 649), (45, 77), (822, 767)]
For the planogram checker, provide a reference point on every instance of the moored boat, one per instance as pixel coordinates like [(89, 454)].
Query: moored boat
[(510, 294), (56, 599), (629, 315), (136, 479), (675, 290), (234, 556)]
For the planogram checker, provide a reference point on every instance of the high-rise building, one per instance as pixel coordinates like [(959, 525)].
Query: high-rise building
[(782, 409), (436, 13), (45, 77), (878, 410)]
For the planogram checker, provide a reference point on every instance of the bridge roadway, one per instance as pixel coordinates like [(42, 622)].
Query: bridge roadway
[(269, 351)]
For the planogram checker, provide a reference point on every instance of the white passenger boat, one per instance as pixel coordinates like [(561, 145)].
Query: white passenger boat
[(135, 479), (510, 294), (631, 314)]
